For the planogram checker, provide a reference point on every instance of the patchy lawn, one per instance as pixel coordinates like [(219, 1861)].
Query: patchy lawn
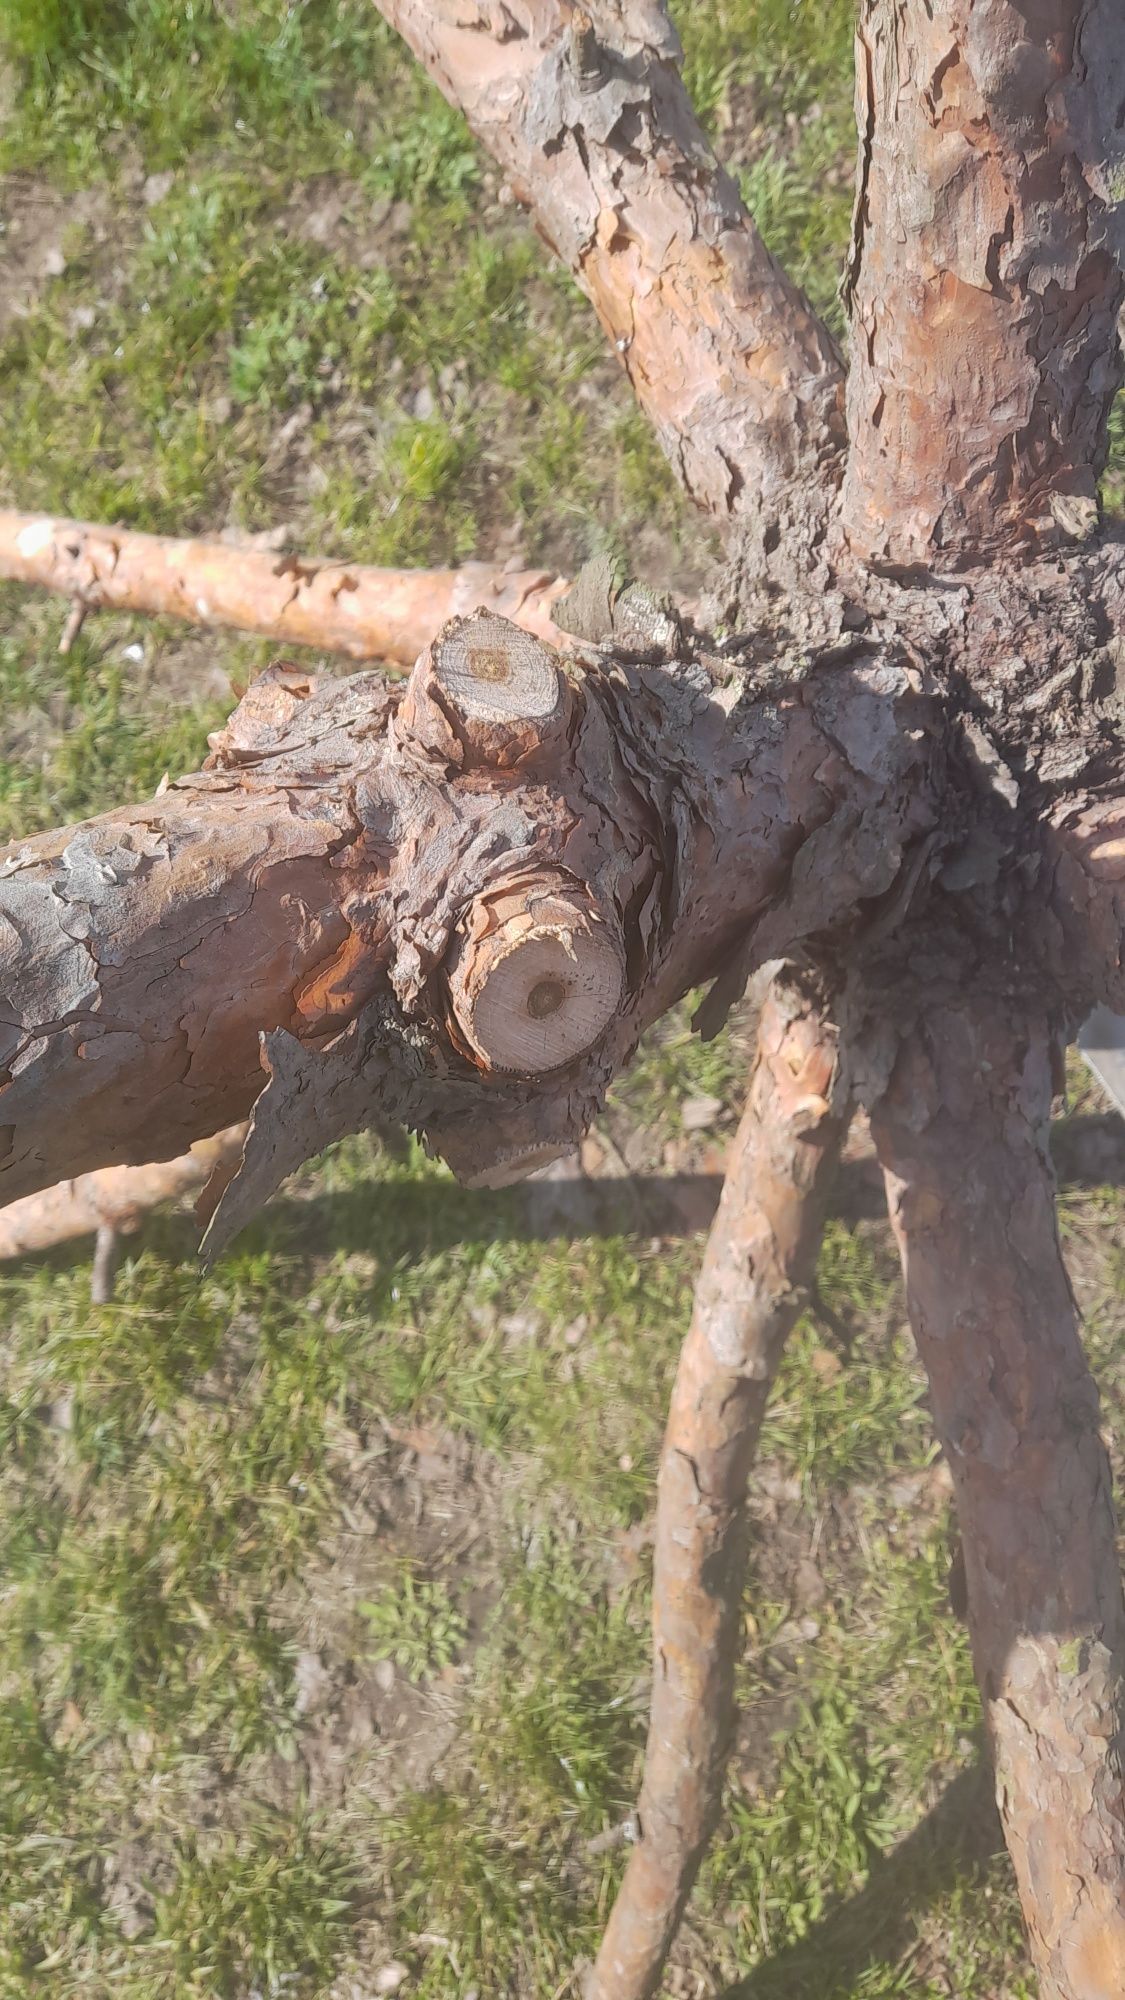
[(323, 1647)]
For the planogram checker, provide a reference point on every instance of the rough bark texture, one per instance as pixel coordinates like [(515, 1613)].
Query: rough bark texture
[(113, 1197), (586, 113), (1089, 891), (962, 1136), (302, 903), (143, 954), (348, 608), (986, 274), (759, 1258), (459, 911)]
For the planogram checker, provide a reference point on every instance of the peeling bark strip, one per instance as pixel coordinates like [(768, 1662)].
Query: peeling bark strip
[(760, 1256), (348, 608), (351, 898), (114, 1197), (961, 1134), (987, 274), (586, 113)]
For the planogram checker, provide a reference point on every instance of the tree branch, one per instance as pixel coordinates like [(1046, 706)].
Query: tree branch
[(348, 608), (587, 115), (1088, 893), (986, 275), (113, 1197), (961, 1134), (759, 1260), (456, 905)]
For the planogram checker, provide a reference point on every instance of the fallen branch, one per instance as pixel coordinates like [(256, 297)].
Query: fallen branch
[(758, 1263), (348, 608), (115, 1198), (961, 1134)]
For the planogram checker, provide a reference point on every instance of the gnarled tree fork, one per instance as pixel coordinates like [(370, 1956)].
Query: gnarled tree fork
[(458, 902)]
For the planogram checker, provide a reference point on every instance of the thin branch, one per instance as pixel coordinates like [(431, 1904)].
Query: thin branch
[(961, 1134), (586, 112), (114, 1197), (76, 618), (103, 1277), (758, 1264), (986, 275), (348, 608)]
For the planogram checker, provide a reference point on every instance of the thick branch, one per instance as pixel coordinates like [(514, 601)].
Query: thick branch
[(348, 608), (359, 883), (961, 1133), (987, 275), (587, 115), (759, 1258)]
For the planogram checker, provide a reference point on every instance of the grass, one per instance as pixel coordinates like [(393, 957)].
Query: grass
[(416, 1624), (325, 1577)]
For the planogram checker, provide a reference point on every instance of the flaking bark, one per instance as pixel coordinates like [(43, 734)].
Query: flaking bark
[(1089, 891), (961, 1133), (986, 275), (913, 780), (585, 110), (759, 1260), (295, 905)]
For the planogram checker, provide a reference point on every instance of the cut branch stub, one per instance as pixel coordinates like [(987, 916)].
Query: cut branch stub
[(330, 884), (536, 977), (487, 693)]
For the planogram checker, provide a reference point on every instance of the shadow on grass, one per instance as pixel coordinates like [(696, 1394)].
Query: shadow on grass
[(400, 1216), (1088, 1152), (955, 1839)]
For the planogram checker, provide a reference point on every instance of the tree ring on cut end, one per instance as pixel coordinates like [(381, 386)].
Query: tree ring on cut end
[(501, 689), (490, 670), (537, 978)]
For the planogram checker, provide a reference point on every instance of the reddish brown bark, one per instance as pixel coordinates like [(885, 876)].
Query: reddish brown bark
[(986, 274), (322, 881), (348, 608), (145, 953), (759, 1259), (961, 1133), (369, 904), (587, 115)]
